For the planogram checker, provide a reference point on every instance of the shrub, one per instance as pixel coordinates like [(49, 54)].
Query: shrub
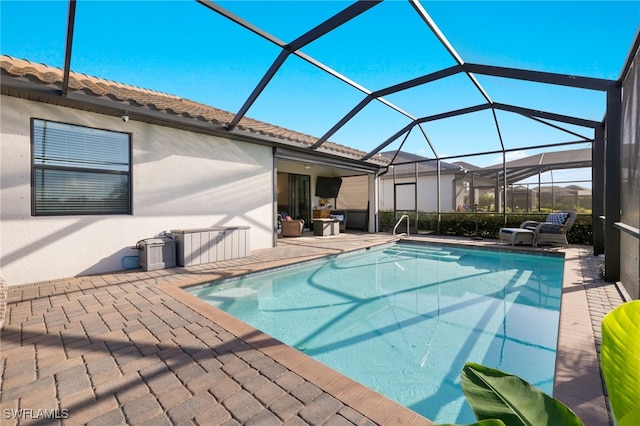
[(489, 224)]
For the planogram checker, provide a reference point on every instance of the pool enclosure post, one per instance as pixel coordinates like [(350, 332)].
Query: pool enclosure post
[(274, 188), (374, 203), (597, 177), (504, 187), (415, 192), (438, 183), (612, 183)]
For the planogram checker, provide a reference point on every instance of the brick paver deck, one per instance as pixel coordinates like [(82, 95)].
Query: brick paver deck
[(132, 347)]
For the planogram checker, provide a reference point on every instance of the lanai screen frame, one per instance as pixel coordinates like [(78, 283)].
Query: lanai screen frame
[(606, 177)]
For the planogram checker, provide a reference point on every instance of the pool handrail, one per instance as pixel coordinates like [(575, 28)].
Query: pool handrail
[(404, 234)]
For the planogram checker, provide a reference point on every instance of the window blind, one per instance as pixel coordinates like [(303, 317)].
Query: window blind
[(80, 170)]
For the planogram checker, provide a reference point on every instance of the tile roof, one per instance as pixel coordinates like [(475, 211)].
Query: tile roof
[(172, 104), (404, 163)]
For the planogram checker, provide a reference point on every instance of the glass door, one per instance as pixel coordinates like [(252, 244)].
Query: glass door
[(300, 198)]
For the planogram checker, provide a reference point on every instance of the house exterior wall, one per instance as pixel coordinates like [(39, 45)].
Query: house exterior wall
[(180, 180), (427, 193)]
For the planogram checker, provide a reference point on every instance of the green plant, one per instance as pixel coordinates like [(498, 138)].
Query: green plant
[(488, 422), (620, 358), (494, 394), (463, 224), (487, 201), (499, 398)]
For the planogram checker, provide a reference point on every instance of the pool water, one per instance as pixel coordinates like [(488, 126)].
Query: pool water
[(403, 319)]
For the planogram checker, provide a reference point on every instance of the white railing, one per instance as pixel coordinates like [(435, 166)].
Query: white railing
[(404, 216)]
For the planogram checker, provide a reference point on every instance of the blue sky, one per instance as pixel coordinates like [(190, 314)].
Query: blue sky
[(183, 48)]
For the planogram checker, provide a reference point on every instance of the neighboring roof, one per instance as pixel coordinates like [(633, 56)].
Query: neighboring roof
[(569, 190), (517, 170), (425, 165), (130, 98), (569, 159), (523, 168), (578, 188), (466, 165), (555, 189)]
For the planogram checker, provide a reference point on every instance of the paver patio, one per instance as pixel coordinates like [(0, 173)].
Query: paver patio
[(132, 347)]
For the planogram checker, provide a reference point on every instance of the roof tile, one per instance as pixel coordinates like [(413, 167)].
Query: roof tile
[(163, 102)]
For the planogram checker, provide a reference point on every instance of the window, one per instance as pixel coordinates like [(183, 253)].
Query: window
[(79, 170)]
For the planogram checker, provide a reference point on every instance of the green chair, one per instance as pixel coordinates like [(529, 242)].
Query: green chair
[(620, 358)]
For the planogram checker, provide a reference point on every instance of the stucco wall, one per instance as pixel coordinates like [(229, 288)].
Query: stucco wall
[(180, 180), (427, 194)]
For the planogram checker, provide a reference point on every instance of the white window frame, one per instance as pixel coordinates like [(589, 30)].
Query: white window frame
[(79, 167)]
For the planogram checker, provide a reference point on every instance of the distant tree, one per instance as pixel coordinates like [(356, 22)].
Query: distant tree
[(486, 201)]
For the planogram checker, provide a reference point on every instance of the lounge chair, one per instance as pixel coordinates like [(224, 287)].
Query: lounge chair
[(552, 231)]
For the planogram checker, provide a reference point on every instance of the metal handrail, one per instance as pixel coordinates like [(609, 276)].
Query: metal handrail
[(621, 226), (628, 229), (404, 216)]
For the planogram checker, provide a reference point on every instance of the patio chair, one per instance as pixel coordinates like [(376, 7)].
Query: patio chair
[(553, 230), (292, 228), (341, 215)]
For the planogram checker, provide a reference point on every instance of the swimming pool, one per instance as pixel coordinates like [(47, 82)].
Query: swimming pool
[(403, 319)]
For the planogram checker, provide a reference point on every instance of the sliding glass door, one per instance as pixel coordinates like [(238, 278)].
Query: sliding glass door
[(300, 197)]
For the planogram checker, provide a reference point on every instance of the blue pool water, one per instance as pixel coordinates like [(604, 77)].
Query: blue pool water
[(403, 319)]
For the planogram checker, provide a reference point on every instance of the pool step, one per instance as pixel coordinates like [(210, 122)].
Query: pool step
[(411, 250), (423, 253), (434, 256)]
